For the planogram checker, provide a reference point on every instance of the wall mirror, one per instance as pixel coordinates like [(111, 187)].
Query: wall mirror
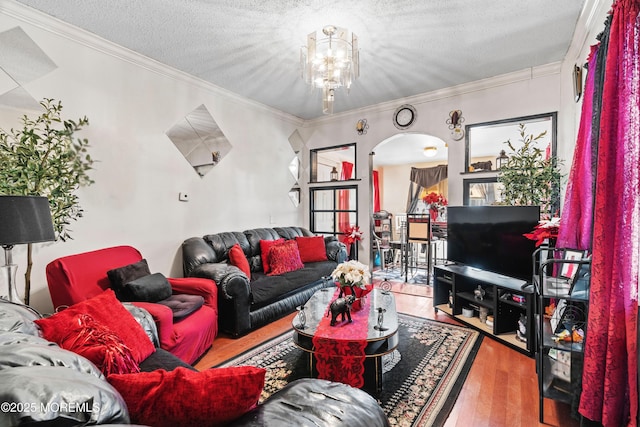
[(337, 163), (485, 141), (200, 140)]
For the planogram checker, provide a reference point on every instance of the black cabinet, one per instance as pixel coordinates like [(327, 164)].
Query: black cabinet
[(562, 286), (501, 307)]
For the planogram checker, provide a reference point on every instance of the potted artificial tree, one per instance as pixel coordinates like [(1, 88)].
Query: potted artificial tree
[(44, 159), (529, 177)]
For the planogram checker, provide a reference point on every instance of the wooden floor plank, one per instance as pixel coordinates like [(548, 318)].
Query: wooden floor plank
[(501, 388)]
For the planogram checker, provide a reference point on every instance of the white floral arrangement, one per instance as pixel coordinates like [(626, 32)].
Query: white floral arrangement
[(352, 273)]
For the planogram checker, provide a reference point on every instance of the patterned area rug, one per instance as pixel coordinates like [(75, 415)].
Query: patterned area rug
[(422, 379), (395, 274)]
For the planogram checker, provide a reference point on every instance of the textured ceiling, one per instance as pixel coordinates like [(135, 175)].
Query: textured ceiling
[(407, 47)]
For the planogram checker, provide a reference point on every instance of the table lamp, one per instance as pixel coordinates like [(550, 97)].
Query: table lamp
[(23, 219)]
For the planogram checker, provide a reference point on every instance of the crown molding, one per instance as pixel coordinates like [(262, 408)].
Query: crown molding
[(449, 92), (590, 22), (60, 28)]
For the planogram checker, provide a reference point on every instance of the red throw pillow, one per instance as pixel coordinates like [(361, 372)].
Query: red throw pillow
[(100, 345), (265, 245), (183, 397), (284, 257), (312, 249), (107, 310), (239, 259)]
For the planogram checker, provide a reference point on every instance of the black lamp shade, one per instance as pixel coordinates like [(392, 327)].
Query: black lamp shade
[(25, 219)]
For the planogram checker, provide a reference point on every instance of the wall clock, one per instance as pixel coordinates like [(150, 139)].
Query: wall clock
[(404, 116)]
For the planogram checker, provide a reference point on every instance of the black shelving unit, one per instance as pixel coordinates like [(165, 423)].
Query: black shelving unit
[(560, 332), (509, 301)]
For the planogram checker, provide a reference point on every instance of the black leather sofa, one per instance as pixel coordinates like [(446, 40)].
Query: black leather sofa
[(247, 303), (42, 384)]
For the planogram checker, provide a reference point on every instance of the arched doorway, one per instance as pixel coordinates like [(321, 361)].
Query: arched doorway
[(390, 165)]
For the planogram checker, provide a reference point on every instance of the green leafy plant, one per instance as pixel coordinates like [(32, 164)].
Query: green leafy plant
[(529, 178), (44, 159)]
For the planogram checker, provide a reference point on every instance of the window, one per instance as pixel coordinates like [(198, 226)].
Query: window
[(333, 210)]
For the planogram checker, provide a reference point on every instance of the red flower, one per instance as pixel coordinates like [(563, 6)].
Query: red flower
[(353, 234), (547, 229), (435, 201)]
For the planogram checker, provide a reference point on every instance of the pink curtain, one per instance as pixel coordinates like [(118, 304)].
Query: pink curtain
[(610, 393), (576, 220), (376, 191), (343, 202)]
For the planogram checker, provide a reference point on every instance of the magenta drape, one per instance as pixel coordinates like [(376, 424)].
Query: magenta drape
[(576, 221), (609, 379), (343, 202), (376, 191)]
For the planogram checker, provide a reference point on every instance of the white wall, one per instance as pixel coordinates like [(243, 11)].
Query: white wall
[(131, 103)]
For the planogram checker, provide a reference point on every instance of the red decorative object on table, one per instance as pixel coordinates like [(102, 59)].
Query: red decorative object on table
[(359, 293)]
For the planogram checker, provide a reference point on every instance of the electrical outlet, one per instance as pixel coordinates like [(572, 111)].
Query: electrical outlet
[(183, 197)]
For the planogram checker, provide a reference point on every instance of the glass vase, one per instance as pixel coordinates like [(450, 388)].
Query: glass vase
[(8, 289)]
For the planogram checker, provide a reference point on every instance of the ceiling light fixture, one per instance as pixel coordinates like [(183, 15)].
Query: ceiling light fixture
[(430, 151), (329, 61)]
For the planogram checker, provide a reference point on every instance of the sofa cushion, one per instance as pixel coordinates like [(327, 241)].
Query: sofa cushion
[(26, 350), (107, 310), (182, 305), (189, 398), (283, 258), (312, 249), (72, 398), (162, 359), (239, 259), (122, 275), (268, 289), (17, 318), (151, 288), (265, 245)]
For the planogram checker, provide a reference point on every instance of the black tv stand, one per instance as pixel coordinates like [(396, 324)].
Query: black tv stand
[(506, 299)]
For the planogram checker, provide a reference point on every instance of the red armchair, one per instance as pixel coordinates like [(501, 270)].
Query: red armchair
[(75, 278)]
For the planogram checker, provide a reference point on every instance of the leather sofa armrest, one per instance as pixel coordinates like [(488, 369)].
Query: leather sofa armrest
[(195, 252), (234, 296), (336, 250), (232, 283), (206, 288), (163, 316), (297, 404)]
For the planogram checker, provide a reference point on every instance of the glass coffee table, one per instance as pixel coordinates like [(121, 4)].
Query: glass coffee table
[(375, 339)]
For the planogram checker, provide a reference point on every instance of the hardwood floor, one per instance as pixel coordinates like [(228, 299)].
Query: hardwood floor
[(501, 389)]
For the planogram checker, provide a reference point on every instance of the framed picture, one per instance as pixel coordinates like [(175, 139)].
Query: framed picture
[(569, 270)]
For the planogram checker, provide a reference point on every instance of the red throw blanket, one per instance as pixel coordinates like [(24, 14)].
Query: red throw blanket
[(339, 349)]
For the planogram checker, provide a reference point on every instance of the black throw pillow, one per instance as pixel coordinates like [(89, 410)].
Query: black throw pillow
[(151, 288), (122, 275)]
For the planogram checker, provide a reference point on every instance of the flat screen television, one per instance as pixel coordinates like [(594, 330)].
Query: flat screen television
[(491, 238)]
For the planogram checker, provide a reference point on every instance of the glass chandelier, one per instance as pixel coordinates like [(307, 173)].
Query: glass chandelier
[(329, 61)]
